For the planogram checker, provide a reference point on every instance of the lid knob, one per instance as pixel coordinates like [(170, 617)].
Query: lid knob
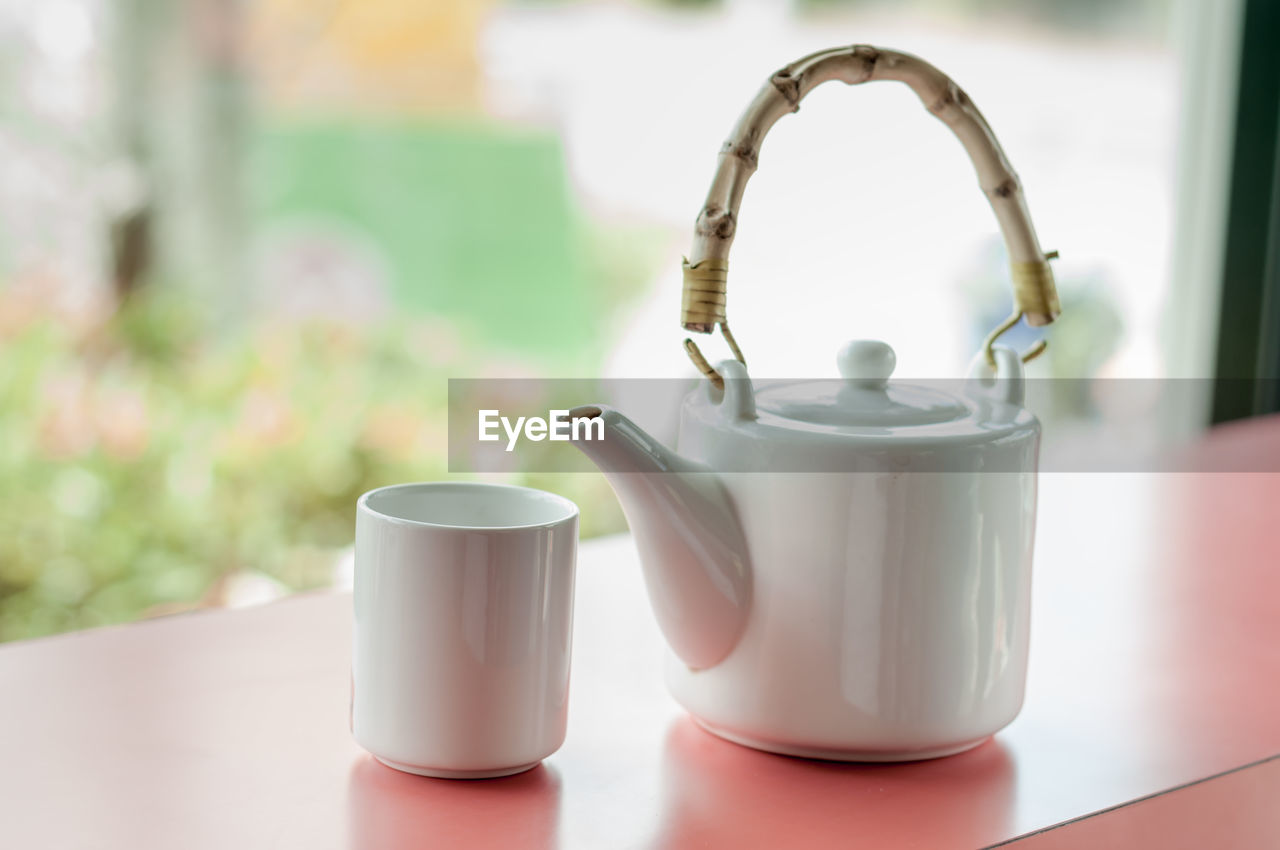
[(866, 362)]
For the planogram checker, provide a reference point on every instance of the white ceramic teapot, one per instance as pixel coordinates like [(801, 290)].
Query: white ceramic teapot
[(842, 568)]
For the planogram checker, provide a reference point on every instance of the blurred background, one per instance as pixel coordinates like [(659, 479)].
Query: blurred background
[(244, 245)]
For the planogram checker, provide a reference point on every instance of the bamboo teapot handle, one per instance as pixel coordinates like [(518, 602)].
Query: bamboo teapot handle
[(706, 268)]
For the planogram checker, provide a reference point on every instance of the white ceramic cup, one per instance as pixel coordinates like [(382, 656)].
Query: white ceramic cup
[(463, 619)]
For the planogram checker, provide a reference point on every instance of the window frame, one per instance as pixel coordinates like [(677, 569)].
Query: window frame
[(1247, 352)]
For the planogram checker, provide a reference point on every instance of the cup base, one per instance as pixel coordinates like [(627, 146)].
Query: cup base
[(442, 773)]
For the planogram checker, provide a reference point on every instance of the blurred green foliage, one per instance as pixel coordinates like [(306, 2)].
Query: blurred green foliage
[(145, 458), (1135, 17), (475, 222)]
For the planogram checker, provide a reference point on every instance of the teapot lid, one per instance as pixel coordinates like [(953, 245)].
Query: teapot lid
[(863, 399)]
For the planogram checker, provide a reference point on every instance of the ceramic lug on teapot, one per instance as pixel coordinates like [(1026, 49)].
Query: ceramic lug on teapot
[(842, 568)]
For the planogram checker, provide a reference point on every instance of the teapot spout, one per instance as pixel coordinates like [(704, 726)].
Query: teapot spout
[(691, 545)]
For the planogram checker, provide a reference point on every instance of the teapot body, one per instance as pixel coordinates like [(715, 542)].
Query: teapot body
[(890, 610)]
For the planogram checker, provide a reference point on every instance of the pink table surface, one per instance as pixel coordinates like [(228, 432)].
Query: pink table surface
[(1152, 718)]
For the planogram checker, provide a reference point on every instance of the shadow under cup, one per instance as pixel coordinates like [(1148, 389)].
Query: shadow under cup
[(463, 621)]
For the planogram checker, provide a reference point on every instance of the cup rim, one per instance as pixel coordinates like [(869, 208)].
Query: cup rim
[(569, 507)]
